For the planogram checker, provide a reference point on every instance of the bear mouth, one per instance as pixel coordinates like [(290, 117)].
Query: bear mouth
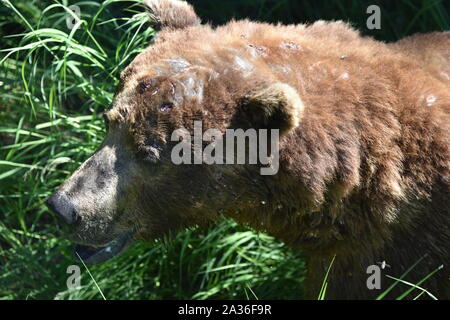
[(94, 255)]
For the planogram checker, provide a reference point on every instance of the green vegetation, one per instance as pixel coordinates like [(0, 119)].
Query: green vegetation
[(55, 82)]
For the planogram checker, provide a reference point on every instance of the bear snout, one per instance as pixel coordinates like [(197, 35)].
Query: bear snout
[(63, 207)]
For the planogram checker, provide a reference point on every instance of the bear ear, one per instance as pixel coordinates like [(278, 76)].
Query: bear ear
[(173, 14), (277, 106)]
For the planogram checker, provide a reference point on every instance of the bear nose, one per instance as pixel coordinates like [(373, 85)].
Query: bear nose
[(61, 205)]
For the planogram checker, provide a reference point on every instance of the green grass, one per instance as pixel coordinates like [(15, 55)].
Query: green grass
[(54, 85)]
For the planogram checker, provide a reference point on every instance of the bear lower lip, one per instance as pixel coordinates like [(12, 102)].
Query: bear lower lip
[(93, 255)]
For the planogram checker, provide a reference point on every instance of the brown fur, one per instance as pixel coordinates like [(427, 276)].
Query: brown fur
[(170, 13), (365, 165)]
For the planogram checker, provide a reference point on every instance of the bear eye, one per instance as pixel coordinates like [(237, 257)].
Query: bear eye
[(145, 84), (166, 107)]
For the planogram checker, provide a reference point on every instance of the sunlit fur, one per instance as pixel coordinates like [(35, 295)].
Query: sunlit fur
[(364, 162)]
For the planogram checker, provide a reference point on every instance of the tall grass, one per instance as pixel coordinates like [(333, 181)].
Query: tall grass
[(55, 83)]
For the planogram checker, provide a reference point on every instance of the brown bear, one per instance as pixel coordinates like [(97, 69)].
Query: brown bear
[(364, 148)]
